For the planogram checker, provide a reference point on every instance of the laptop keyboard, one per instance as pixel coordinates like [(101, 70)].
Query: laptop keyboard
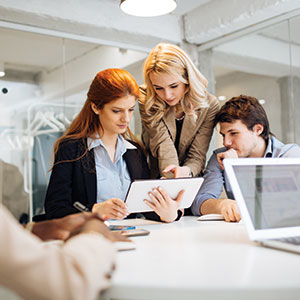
[(291, 240)]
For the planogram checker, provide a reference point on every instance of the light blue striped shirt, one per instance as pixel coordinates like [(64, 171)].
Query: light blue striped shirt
[(113, 179)]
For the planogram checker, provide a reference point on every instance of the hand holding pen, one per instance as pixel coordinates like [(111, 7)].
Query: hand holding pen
[(81, 207), (113, 208), (94, 226)]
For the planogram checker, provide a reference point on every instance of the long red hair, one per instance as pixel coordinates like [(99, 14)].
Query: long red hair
[(107, 86)]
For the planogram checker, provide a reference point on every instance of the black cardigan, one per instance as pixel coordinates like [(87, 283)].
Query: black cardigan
[(74, 179)]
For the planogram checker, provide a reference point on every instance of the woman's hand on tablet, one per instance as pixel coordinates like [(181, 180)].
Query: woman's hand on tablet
[(114, 208), (163, 204)]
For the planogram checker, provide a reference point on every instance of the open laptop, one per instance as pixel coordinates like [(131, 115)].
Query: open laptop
[(267, 191)]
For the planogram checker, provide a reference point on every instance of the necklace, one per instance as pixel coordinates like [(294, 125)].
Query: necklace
[(180, 118)]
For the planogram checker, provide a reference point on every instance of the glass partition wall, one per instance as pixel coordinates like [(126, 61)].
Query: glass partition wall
[(35, 108), (45, 84), (266, 65)]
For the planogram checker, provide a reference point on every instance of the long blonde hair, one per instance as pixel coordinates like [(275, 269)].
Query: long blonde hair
[(170, 59)]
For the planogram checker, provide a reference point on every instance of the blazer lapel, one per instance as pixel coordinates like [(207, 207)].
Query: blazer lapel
[(89, 174), (169, 120), (134, 168), (189, 128)]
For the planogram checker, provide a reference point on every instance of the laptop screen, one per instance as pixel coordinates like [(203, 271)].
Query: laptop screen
[(271, 194)]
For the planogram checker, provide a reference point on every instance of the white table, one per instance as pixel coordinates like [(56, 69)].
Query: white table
[(190, 259)]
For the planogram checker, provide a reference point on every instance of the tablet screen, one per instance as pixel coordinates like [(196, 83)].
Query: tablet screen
[(138, 191)]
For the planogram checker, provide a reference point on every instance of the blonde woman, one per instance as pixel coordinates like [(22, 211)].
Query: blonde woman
[(177, 113)]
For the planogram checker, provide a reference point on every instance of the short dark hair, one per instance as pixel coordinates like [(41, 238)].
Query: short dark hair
[(248, 110)]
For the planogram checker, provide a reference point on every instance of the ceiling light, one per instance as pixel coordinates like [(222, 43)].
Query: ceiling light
[(2, 72), (148, 8)]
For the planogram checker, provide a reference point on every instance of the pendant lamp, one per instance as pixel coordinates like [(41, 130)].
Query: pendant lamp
[(147, 8)]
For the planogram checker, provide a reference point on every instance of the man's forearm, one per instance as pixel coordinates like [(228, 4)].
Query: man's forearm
[(211, 206)]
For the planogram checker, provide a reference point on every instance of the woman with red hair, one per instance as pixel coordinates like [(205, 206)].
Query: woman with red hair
[(98, 156)]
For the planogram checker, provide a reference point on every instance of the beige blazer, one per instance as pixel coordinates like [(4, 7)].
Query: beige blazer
[(193, 143), (79, 269)]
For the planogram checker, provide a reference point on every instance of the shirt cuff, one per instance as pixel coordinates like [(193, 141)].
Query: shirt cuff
[(179, 215)]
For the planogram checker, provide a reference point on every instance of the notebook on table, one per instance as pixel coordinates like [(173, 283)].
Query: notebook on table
[(267, 191)]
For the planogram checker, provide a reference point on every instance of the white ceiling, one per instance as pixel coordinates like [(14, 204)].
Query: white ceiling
[(29, 53), (186, 6), (102, 21)]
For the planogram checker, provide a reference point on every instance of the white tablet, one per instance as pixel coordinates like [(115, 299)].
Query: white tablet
[(138, 191)]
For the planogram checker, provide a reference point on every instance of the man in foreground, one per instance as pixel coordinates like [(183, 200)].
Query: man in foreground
[(245, 129)]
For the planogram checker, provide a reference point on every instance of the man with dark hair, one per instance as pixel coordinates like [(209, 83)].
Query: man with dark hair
[(245, 129)]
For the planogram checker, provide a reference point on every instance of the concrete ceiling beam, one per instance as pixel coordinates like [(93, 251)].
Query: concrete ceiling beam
[(240, 55), (221, 17)]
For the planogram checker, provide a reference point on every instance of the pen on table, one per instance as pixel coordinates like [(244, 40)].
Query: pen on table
[(81, 207)]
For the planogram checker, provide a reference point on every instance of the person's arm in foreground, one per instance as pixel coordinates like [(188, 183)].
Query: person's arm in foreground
[(80, 269), (63, 228)]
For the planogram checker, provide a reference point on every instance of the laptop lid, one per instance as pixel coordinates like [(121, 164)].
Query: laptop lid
[(267, 191)]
